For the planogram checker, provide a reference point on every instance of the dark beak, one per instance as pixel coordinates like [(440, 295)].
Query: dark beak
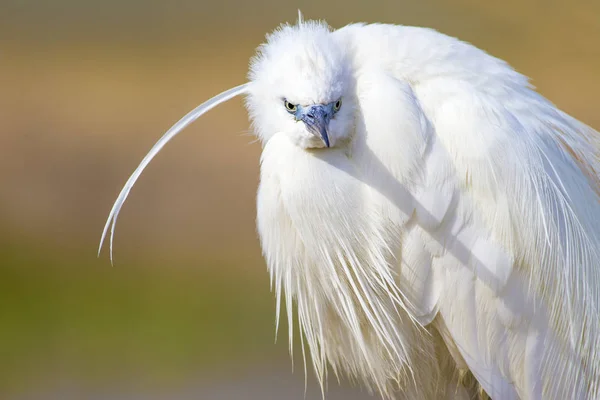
[(316, 118)]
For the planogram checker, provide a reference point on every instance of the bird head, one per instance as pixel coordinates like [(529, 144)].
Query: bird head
[(301, 86)]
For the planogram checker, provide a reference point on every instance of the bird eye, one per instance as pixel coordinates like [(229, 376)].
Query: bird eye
[(337, 105), (289, 106)]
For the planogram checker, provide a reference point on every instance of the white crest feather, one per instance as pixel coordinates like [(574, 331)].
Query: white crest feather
[(174, 130)]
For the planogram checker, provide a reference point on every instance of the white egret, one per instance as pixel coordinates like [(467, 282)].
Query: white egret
[(434, 221)]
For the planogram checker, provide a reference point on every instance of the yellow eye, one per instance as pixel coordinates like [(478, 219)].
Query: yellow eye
[(337, 105), (289, 106)]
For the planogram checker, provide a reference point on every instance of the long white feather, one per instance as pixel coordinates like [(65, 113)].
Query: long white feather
[(174, 130)]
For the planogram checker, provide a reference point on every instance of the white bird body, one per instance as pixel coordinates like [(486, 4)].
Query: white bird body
[(447, 225)]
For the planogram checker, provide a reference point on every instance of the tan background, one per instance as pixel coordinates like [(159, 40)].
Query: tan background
[(86, 87)]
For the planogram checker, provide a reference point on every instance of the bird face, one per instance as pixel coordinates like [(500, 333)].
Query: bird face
[(316, 118), (302, 87)]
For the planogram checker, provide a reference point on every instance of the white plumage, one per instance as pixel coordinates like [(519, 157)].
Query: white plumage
[(438, 221)]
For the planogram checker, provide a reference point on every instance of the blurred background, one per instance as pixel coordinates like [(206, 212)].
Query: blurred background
[(86, 88)]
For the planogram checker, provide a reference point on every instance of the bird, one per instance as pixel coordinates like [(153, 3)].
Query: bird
[(428, 219)]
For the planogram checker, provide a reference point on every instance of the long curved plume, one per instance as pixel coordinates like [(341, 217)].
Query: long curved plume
[(174, 130)]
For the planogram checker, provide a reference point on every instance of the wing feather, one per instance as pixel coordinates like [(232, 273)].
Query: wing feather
[(508, 208), (529, 172)]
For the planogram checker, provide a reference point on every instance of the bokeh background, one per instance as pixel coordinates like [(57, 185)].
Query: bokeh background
[(86, 87)]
